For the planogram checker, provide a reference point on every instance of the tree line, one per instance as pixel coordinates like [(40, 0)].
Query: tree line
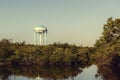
[(57, 53)]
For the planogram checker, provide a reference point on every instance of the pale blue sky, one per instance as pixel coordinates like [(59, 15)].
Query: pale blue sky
[(73, 21)]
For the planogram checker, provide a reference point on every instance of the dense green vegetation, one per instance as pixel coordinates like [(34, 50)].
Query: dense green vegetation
[(57, 53), (107, 48)]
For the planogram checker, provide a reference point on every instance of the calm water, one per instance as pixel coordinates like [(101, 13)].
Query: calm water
[(57, 73)]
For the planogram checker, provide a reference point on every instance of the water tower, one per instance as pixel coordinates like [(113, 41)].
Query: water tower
[(40, 35)]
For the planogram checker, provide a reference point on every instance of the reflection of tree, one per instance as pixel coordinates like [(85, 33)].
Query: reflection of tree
[(4, 74), (108, 73), (47, 72)]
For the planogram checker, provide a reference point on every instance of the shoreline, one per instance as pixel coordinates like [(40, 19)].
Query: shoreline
[(13, 63)]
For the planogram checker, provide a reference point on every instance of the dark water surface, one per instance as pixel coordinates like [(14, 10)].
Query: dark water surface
[(57, 73)]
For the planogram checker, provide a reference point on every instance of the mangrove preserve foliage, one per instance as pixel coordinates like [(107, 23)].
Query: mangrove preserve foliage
[(57, 53)]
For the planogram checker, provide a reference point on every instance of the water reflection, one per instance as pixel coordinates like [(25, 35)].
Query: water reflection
[(39, 72), (102, 72), (108, 73), (89, 73)]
